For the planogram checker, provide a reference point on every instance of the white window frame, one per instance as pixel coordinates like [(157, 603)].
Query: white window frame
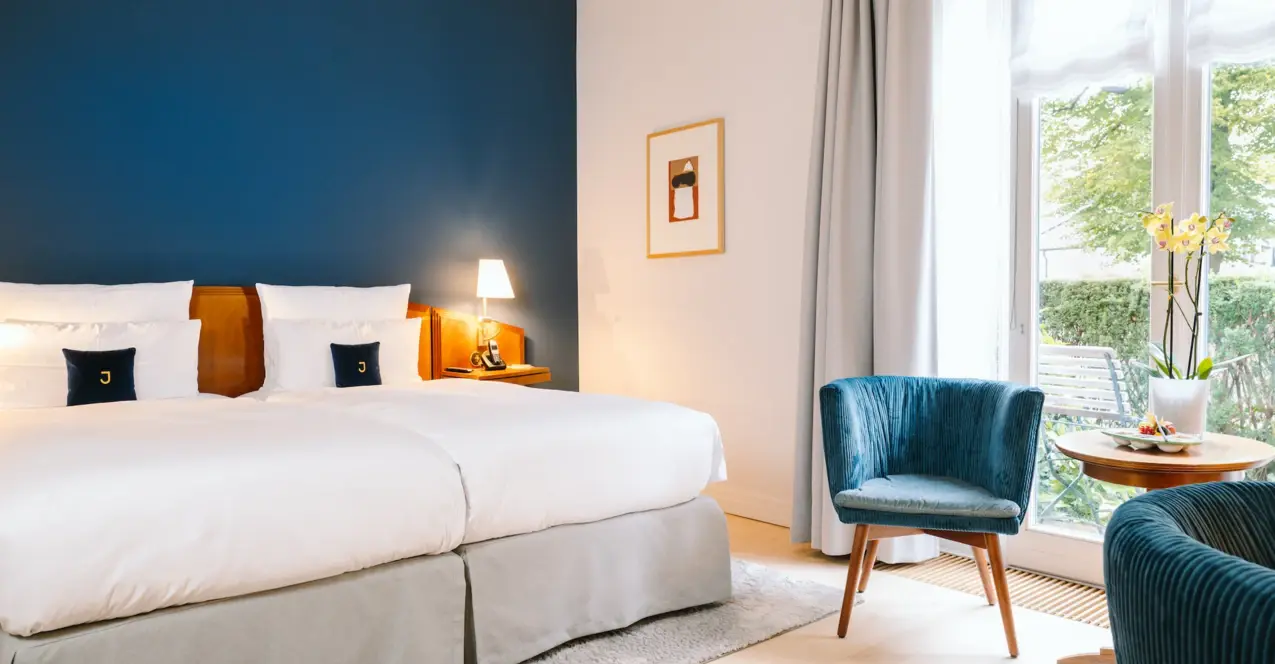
[(1180, 154)]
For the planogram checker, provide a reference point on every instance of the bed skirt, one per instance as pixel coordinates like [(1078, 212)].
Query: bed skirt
[(407, 612), (530, 593)]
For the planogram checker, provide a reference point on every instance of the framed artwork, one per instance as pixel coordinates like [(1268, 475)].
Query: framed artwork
[(686, 190)]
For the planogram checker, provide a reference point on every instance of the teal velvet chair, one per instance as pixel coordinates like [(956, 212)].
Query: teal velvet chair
[(951, 458), (1190, 575)]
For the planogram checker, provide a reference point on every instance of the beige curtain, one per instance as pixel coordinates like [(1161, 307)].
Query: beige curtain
[(870, 288)]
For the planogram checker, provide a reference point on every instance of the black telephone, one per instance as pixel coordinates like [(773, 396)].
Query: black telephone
[(491, 358)]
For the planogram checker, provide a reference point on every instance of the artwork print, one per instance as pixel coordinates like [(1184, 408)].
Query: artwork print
[(683, 193), (686, 190)]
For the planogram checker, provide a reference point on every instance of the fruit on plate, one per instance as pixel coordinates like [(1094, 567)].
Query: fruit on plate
[(1152, 426)]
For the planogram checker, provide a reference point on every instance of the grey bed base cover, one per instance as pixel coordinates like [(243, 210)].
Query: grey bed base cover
[(530, 593), (406, 612)]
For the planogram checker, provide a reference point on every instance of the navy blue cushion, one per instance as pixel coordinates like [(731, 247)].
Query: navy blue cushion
[(99, 376), (357, 365)]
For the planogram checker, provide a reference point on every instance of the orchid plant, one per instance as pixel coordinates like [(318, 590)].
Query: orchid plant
[(1189, 240)]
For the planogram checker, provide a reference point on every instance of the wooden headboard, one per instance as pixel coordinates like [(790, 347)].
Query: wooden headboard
[(231, 348)]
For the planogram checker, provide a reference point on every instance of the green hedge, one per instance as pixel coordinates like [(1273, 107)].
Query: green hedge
[(1115, 313)]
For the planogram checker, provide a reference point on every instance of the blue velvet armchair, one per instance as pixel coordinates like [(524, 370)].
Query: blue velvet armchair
[(1190, 575), (951, 458)]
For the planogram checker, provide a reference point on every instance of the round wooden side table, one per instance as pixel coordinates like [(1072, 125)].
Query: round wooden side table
[(1220, 457)]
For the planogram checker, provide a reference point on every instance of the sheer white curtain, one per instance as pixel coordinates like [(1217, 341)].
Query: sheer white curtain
[(1231, 30), (1061, 43), (972, 158)]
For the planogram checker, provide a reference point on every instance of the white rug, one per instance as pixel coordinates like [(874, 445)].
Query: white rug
[(766, 603)]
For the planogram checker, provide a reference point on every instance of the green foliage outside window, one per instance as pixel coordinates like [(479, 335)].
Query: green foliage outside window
[(1096, 149)]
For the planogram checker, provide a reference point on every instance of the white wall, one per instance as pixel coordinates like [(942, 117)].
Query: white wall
[(718, 333)]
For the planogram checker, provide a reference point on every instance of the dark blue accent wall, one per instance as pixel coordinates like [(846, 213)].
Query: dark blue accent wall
[(351, 142)]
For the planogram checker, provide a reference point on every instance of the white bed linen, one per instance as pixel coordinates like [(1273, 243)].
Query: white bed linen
[(117, 509), (531, 459)]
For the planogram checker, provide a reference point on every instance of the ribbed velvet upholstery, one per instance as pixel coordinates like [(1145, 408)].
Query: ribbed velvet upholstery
[(1190, 575), (977, 431)]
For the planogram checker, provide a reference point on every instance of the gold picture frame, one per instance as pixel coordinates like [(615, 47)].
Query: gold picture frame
[(690, 162)]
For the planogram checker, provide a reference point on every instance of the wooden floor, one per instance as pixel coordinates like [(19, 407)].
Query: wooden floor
[(903, 621)]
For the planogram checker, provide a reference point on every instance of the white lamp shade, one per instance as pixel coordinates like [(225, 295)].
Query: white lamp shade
[(493, 281)]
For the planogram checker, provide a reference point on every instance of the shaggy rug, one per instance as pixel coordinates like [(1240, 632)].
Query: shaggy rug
[(766, 603)]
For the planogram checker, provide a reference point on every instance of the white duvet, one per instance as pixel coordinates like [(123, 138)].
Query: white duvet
[(531, 459), (117, 509)]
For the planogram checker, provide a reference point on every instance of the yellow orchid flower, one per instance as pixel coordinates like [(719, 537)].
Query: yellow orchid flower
[(1195, 226), (1224, 222), (1182, 243), (1164, 210), (1163, 239), (1215, 240), (1159, 226)]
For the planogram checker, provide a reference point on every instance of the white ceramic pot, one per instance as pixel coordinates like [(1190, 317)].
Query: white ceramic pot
[(1185, 403)]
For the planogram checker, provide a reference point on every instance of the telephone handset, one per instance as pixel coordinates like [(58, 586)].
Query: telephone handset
[(491, 359)]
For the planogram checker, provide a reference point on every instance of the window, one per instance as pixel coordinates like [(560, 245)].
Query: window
[(1120, 105), (1093, 154), (1242, 292)]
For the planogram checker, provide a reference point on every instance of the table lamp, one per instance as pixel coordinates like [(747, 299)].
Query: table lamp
[(493, 281)]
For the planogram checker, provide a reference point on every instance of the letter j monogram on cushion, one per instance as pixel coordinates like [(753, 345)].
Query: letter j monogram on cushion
[(357, 365)]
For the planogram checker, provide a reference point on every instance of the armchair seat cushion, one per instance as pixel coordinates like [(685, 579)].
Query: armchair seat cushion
[(926, 494)]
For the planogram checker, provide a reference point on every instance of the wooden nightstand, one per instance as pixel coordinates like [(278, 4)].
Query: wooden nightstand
[(518, 374)]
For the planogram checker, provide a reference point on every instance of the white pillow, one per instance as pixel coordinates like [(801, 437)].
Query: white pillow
[(33, 369), (299, 352), (338, 303), (87, 303)]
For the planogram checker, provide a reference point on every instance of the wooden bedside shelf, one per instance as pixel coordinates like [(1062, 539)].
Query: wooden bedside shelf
[(518, 375)]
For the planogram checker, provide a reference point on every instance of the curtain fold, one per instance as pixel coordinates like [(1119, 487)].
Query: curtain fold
[(869, 290)]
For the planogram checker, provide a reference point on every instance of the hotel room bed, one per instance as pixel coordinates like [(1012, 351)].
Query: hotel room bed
[(430, 523)]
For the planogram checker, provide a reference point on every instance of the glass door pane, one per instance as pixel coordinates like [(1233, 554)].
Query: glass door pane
[(1242, 289), (1094, 168)]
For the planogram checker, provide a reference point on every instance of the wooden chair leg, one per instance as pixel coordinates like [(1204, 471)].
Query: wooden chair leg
[(1002, 591), (852, 577), (980, 559), (869, 559)]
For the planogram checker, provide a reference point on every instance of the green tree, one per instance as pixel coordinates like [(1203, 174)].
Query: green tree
[(1096, 158)]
